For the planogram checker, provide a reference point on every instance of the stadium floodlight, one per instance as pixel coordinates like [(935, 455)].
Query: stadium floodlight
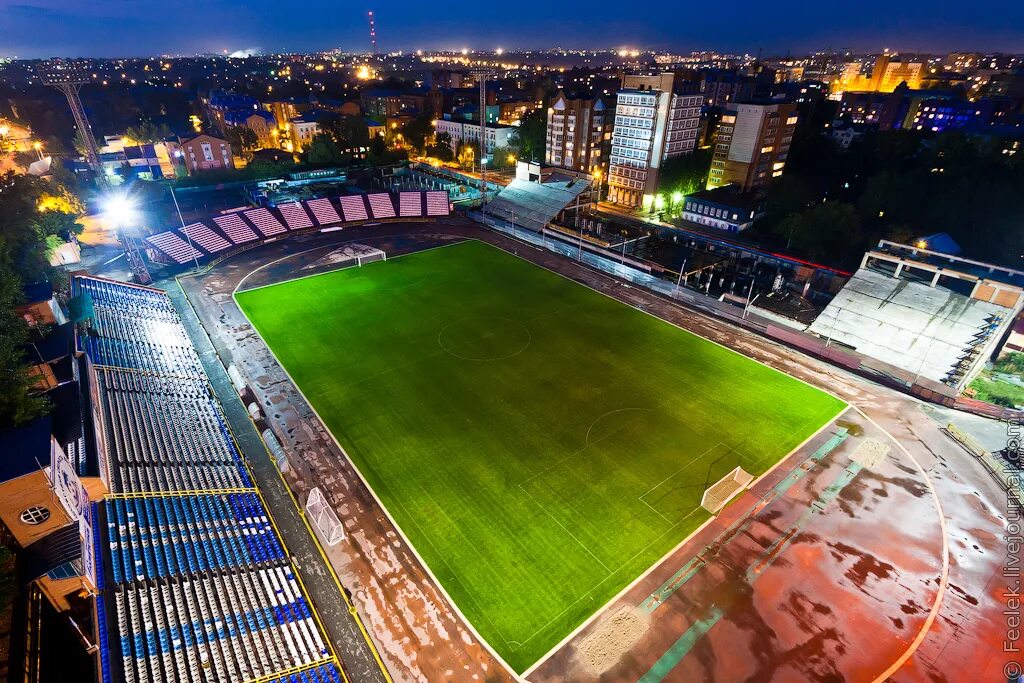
[(120, 209)]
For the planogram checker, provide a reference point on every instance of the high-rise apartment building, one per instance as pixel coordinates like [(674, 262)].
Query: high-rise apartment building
[(655, 120), (751, 144), (579, 133), (886, 74)]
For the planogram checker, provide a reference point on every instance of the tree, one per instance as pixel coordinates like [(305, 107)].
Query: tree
[(243, 140), (530, 138), (147, 132), (829, 231), (467, 155), (27, 233), (323, 151), (441, 148), (418, 131), (686, 174)]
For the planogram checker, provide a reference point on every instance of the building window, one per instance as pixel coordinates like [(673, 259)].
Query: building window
[(37, 514)]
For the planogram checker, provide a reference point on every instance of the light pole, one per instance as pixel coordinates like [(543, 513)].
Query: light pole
[(680, 278), (181, 219), (122, 211), (38, 147)]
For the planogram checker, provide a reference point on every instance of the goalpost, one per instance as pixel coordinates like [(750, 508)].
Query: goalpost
[(722, 491), (319, 510)]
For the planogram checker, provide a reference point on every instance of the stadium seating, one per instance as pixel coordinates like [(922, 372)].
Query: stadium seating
[(265, 222), (202, 585), (235, 227), (410, 204), (295, 216), (381, 206), (323, 211), (171, 244), (353, 208), (206, 238), (437, 204)]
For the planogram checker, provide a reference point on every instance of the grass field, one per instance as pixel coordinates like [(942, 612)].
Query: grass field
[(541, 445)]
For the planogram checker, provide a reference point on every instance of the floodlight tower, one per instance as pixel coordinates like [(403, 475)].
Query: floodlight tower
[(69, 76), (482, 74), (373, 33)]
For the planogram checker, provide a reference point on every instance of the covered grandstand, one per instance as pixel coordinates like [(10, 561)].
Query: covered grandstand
[(231, 232), (933, 315), (194, 581), (532, 202)]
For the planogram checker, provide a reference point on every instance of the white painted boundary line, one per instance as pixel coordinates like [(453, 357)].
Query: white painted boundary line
[(333, 245), (601, 610), (373, 493), (945, 553), (429, 571)]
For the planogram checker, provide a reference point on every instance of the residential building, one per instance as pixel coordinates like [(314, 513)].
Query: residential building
[(301, 130), (498, 134), (224, 104), (885, 75), (579, 133), (720, 87), (261, 123), (724, 208), (655, 120), (845, 132), (751, 144), (206, 153), (382, 102), (286, 109)]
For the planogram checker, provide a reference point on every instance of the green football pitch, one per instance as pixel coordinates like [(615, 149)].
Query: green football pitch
[(539, 444)]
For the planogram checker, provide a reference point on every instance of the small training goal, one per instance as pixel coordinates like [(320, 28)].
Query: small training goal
[(321, 514), (723, 490)]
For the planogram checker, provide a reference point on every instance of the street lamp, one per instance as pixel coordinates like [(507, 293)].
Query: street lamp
[(38, 147)]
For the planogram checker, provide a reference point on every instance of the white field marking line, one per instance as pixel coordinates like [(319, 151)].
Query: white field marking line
[(394, 523), (638, 579), (655, 510), (441, 510), (586, 441), (529, 339), (695, 459), (559, 462), (656, 565), (571, 534), (336, 245), (675, 304), (944, 578), (594, 587)]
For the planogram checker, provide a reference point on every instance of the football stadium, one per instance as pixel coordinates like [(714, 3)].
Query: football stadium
[(538, 444)]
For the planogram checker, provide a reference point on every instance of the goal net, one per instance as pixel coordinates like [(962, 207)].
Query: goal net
[(321, 514), (723, 490)]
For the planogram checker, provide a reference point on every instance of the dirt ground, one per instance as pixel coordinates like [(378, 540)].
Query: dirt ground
[(875, 550)]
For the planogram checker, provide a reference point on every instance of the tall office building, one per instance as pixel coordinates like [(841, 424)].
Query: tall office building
[(751, 144), (579, 133), (655, 119)]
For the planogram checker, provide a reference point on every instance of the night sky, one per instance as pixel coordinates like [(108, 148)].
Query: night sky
[(38, 28)]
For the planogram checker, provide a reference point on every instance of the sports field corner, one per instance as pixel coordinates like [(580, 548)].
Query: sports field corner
[(538, 444)]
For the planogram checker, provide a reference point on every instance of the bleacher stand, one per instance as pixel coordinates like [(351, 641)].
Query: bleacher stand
[(295, 217), (381, 206), (206, 238), (200, 585), (410, 204), (437, 204), (323, 211), (265, 222), (248, 227), (171, 244), (235, 227), (353, 208)]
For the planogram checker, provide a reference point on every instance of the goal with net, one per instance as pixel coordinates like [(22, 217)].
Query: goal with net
[(723, 490), (319, 511)]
